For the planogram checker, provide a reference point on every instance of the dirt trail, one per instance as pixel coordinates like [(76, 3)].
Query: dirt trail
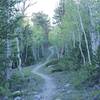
[(49, 86)]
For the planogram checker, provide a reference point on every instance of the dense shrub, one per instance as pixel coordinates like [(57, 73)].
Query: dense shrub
[(2, 90)]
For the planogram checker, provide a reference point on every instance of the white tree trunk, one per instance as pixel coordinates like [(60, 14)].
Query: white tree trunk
[(25, 54), (94, 35), (9, 67), (18, 56), (66, 49), (42, 48), (34, 53), (38, 55), (73, 39), (57, 52), (61, 52), (80, 47), (82, 54), (82, 27)]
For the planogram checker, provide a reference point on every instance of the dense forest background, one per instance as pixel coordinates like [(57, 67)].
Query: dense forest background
[(74, 36)]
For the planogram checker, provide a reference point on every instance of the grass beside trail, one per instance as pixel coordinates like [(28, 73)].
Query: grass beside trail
[(28, 86), (70, 83)]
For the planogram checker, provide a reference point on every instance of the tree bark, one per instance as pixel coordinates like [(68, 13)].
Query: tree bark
[(34, 53), (57, 52), (94, 35), (80, 47), (19, 58), (73, 39), (9, 62), (86, 41), (42, 48), (25, 54)]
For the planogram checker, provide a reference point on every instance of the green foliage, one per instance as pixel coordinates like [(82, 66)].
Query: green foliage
[(80, 75), (41, 22), (38, 35), (66, 34), (59, 13), (2, 90), (7, 26), (95, 93), (52, 62)]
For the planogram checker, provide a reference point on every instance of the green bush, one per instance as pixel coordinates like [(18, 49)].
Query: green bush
[(80, 74), (67, 64), (94, 77), (2, 90), (95, 93), (63, 64), (87, 75), (52, 62), (16, 79), (78, 77)]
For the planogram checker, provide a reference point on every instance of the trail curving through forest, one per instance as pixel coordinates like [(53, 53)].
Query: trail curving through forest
[(49, 86)]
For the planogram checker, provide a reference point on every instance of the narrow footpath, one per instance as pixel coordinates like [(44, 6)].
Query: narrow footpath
[(48, 90)]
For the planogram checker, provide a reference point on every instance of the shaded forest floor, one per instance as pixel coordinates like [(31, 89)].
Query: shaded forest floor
[(31, 86), (27, 88), (68, 85)]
